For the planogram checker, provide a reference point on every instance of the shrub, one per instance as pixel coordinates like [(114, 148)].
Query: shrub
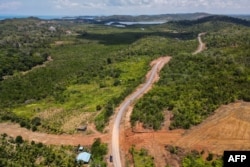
[(19, 140)]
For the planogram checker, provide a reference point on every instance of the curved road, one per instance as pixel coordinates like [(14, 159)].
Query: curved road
[(123, 107), (201, 46), (127, 102)]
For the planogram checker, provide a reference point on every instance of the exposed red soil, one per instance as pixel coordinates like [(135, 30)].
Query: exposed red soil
[(227, 129), (64, 139)]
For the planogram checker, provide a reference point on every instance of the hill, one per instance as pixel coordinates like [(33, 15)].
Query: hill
[(208, 79), (216, 18), (161, 17)]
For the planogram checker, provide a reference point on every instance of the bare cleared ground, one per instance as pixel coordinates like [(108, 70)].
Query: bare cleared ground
[(227, 129)]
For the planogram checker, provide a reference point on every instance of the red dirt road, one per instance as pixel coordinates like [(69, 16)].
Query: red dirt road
[(64, 139)]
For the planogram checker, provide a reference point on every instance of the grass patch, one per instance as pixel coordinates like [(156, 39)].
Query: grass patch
[(133, 68), (142, 158), (89, 96)]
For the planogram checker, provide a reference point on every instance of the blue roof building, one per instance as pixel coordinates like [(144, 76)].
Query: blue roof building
[(84, 156)]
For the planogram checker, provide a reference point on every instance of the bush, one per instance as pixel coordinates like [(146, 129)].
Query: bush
[(34, 128), (36, 121), (19, 140), (98, 108), (210, 157)]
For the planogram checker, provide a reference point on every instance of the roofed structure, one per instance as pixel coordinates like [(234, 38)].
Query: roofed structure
[(82, 128), (84, 156)]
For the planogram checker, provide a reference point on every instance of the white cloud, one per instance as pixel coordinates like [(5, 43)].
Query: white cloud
[(151, 6), (175, 3), (9, 5), (65, 4), (77, 4)]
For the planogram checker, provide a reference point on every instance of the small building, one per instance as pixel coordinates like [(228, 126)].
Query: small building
[(84, 157), (82, 128)]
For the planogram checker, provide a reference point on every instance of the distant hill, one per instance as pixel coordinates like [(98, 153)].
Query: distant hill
[(215, 18), (141, 18), (187, 18), (161, 17), (245, 17)]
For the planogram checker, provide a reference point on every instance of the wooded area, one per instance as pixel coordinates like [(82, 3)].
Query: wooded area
[(193, 86)]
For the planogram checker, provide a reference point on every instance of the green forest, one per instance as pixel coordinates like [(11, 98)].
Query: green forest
[(23, 45), (193, 86)]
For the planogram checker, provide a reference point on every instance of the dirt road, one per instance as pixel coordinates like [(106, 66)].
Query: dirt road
[(65, 139), (124, 106), (201, 46)]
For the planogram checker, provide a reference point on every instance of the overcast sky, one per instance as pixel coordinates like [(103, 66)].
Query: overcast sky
[(129, 7)]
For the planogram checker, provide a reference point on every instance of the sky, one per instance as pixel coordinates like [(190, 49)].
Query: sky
[(120, 7)]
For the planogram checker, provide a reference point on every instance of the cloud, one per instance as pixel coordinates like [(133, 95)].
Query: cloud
[(129, 2), (12, 5), (61, 4), (151, 6), (77, 4)]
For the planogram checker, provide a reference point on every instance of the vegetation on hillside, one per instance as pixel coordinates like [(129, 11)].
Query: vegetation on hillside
[(92, 71), (140, 18), (193, 86), (95, 67), (23, 45)]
